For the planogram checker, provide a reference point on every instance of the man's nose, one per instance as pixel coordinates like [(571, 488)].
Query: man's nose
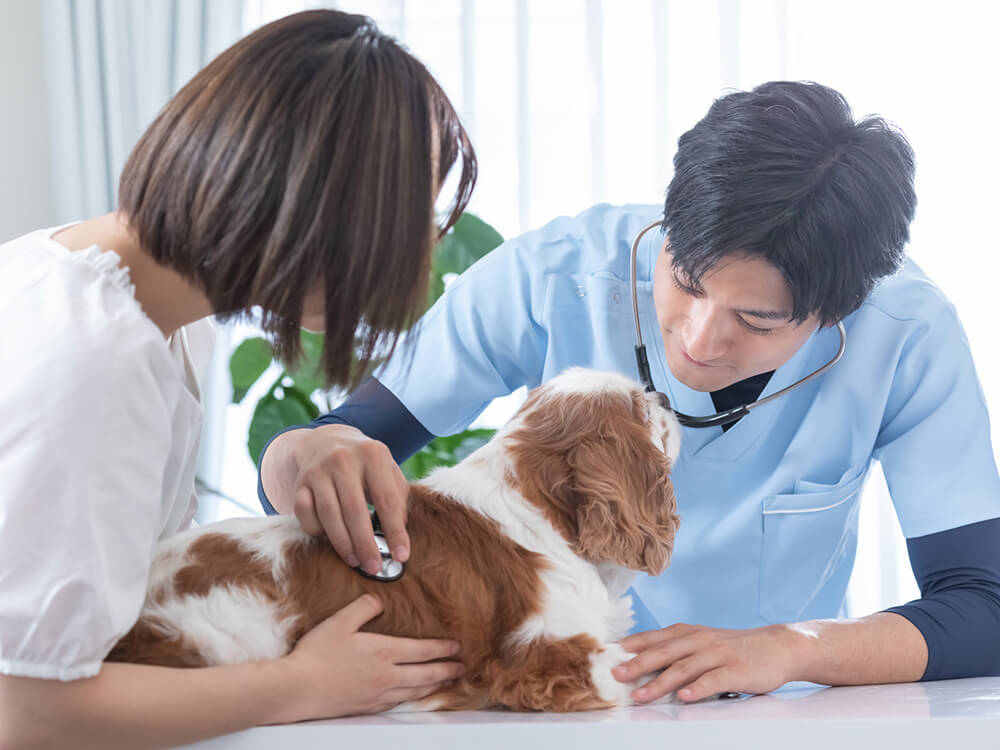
[(703, 342)]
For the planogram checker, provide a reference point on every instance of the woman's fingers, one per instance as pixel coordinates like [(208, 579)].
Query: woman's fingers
[(357, 613), (405, 695), (346, 670), (428, 675), (418, 650)]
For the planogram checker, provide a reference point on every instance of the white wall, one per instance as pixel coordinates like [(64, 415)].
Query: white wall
[(25, 182)]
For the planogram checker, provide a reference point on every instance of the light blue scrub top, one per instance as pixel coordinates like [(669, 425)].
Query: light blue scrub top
[(769, 509)]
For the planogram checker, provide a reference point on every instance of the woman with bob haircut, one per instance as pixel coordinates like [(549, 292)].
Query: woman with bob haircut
[(297, 173)]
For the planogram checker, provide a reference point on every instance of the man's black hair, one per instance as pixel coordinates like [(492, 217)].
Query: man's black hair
[(784, 173)]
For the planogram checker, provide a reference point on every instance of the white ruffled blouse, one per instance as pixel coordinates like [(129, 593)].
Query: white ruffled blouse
[(100, 418)]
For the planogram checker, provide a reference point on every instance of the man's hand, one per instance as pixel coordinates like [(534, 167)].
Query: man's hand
[(326, 476), (699, 661)]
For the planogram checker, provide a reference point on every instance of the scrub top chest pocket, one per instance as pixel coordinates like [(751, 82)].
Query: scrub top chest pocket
[(809, 540), (589, 291)]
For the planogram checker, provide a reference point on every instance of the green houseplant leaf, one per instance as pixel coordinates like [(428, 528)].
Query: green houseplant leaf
[(250, 360), (445, 451), (469, 240), (276, 411), (308, 371)]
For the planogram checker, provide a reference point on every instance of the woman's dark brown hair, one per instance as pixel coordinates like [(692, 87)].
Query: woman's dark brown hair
[(301, 161)]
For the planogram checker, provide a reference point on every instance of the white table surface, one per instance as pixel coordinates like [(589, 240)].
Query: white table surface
[(948, 714)]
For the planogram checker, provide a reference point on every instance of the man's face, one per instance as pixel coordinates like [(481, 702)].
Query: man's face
[(735, 325)]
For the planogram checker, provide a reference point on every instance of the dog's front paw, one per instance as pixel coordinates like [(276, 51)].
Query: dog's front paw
[(608, 688), (620, 693), (670, 697)]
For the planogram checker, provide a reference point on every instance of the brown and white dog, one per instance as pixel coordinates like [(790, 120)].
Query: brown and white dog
[(523, 553)]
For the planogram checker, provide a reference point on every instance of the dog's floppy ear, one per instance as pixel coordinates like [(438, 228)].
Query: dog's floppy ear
[(588, 462), (627, 513)]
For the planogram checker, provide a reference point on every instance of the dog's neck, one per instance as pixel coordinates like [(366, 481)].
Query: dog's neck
[(482, 483), (616, 578)]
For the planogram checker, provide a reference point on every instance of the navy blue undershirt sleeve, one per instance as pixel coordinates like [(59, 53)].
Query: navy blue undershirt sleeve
[(958, 614), (376, 411)]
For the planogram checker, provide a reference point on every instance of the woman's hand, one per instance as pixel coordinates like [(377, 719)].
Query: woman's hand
[(699, 661), (339, 671), (326, 476)]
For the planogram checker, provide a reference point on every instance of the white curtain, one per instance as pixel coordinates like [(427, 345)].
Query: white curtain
[(110, 66)]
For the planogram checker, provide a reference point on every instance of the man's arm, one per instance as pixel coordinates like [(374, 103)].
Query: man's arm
[(949, 632), (877, 649), (371, 408), (958, 571), (699, 661)]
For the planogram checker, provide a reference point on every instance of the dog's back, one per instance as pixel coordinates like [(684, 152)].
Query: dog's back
[(248, 589), (518, 553)]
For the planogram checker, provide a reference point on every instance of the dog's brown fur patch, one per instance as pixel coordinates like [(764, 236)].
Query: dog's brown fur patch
[(590, 466)]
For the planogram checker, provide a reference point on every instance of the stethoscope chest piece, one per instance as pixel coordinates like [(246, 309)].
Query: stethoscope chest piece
[(392, 570)]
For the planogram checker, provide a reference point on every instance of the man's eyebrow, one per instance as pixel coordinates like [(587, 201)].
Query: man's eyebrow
[(763, 314), (767, 314)]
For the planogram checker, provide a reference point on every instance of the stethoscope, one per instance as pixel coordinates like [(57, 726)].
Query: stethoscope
[(723, 417), (391, 570)]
